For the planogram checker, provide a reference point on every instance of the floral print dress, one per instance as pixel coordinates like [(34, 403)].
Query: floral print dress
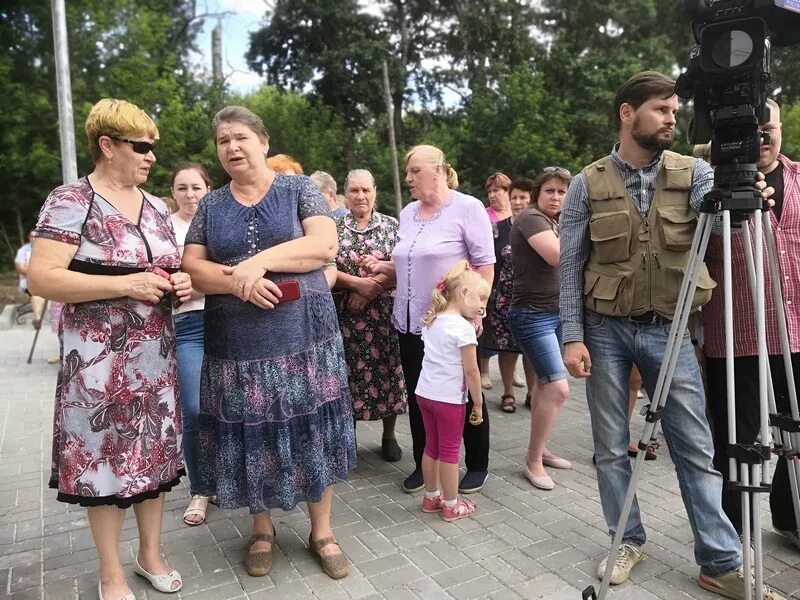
[(117, 426), (371, 345), (275, 422), (496, 332)]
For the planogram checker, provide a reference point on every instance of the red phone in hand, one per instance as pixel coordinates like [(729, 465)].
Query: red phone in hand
[(290, 290)]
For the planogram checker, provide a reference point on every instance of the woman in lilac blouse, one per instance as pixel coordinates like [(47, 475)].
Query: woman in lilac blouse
[(441, 227)]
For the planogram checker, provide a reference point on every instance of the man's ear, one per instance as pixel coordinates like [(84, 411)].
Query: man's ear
[(626, 113)]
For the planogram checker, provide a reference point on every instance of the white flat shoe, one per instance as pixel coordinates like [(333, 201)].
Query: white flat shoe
[(543, 483), (556, 462), (130, 596), (162, 583)]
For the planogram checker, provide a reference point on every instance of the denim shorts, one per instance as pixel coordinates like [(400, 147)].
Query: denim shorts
[(539, 336)]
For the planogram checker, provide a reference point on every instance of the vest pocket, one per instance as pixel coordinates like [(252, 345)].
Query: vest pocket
[(611, 236), (702, 293), (677, 224), (607, 294)]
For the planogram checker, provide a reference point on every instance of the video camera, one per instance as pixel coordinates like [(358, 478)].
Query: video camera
[(729, 79)]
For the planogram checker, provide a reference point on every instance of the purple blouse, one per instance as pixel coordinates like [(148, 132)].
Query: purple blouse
[(426, 250)]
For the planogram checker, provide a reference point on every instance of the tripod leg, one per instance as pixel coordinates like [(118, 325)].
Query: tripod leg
[(671, 352)]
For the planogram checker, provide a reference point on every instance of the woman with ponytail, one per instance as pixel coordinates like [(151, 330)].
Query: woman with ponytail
[(439, 228)]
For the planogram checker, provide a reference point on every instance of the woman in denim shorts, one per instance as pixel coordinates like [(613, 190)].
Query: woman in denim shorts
[(534, 319)]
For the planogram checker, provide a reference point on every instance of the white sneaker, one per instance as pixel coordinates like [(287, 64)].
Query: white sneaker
[(629, 556), (519, 381)]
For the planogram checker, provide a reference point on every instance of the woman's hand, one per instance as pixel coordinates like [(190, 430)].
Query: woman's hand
[(477, 323), (181, 286), (372, 265), (369, 288), (147, 287), (355, 302), (245, 275), (265, 293)]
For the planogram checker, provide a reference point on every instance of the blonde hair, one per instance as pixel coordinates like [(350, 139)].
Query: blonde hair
[(116, 118), (436, 158), (462, 274), (702, 151), (283, 162)]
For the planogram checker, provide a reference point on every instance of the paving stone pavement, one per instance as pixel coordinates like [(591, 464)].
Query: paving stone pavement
[(522, 543)]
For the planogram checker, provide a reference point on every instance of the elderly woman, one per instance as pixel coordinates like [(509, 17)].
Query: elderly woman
[(190, 183), (440, 228), (365, 316), (276, 422), (106, 249), (534, 317)]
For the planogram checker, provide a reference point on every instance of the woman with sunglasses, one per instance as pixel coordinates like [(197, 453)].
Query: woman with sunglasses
[(107, 250), (534, 317)]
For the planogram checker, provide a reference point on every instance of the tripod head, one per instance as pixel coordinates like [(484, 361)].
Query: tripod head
[(729, 79)]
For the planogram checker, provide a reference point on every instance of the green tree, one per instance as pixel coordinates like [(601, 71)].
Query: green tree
[(137, 51)]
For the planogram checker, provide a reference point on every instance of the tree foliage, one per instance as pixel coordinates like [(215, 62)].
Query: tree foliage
[(508, 85)]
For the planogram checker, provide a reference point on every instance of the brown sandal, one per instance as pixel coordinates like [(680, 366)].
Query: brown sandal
[(508, 404), (335, 566), (259, 564)]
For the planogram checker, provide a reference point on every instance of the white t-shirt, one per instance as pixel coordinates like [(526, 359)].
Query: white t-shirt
[(23, 257), (442, 376), (181, 228)]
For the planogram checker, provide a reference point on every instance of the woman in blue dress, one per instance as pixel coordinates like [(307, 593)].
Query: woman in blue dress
[(276, 424)]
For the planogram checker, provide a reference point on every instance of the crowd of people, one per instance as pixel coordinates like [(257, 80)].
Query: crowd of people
[(238, 337)]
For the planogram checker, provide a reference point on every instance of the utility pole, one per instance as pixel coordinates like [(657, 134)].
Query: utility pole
[(216, 53), (398, 197), (66, 123)]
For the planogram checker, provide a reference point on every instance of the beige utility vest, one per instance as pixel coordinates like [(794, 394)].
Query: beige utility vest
[(637, 264)]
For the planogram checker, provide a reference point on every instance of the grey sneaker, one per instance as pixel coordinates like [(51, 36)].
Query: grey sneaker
[(629, 556), (731, 585), (789, 534)]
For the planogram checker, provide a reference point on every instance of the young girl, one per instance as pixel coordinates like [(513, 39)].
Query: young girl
[(449, 370)]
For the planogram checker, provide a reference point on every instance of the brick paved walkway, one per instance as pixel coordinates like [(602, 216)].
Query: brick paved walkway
[(523, 543)]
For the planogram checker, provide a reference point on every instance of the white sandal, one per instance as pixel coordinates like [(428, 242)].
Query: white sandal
[(162, 583), (198, 505), (130, 596)]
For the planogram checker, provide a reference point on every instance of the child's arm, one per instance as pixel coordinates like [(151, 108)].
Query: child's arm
[(472, 375)]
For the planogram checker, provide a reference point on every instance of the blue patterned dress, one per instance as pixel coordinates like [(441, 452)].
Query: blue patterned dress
[(276, 423)]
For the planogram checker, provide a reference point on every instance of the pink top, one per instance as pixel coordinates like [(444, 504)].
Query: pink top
[(493, 216), (426, 250), (787, 241)]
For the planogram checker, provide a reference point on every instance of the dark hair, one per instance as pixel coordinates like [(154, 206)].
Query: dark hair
[(523, 184), (642, 87), (191, 166), (546, 176)]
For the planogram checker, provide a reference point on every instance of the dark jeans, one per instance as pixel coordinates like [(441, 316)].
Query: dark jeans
[(476, 439), (747, 426)]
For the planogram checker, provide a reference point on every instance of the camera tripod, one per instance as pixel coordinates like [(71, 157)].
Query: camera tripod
[(748, 462)]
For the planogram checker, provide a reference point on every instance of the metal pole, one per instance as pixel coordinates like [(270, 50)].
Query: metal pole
[(69, 165), (398, 197)]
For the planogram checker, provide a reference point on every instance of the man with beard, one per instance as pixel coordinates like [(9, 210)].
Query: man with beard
[(784, 176), (626, 228)]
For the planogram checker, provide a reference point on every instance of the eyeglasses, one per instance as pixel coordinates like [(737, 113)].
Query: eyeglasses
[(559, 170), (138, 147)]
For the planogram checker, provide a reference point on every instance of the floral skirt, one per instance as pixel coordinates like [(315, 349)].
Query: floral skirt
[(275, 432)]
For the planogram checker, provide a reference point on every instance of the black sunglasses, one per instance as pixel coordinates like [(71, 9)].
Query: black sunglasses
[(559, 170), (138, 147)]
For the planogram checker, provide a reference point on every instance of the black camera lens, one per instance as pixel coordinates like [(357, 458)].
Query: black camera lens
[(732, 48)]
